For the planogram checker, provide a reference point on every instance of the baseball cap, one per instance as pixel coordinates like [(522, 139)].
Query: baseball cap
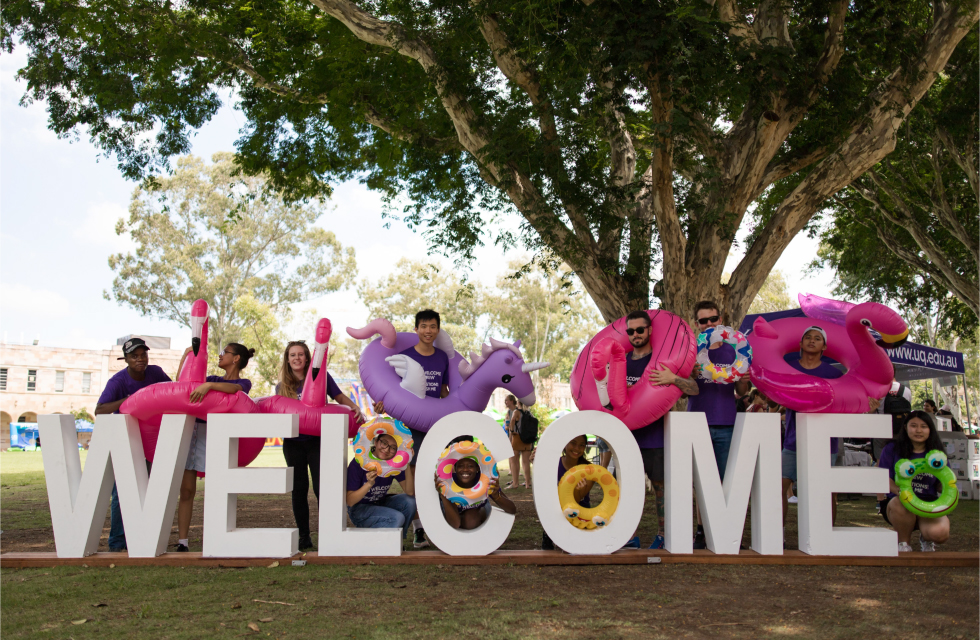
[(132, 345), (815, 327)]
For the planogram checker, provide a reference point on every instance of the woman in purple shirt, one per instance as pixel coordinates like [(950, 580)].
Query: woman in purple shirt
[(572, 456), (232, 360)]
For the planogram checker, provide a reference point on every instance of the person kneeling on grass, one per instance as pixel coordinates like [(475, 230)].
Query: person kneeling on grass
[(572, 456), (466, 473), (368, 503), (914, 441)]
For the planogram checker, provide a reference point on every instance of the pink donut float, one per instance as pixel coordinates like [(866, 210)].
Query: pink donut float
[(149, 404), (604, 359), (869, 370), (313, 404)]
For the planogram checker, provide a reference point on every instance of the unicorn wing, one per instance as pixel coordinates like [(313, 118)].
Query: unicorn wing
[(411, 373)]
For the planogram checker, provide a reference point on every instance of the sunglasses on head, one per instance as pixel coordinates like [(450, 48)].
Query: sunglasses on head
[(704, 321), (640, 331)]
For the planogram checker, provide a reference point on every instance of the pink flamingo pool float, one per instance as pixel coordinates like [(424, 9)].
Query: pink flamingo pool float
[(150, 403), (869, 370), (313, 403), (603, 360), (388, 377)]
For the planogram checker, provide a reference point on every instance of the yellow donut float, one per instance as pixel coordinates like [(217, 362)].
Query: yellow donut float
[(595, 517)]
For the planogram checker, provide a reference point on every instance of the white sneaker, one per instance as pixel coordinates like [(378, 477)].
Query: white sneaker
[(927, 545), (793, 500), (904, 547)]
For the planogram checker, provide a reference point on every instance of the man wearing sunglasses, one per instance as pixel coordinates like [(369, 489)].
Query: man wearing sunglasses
[(717, 401), (650, 438)]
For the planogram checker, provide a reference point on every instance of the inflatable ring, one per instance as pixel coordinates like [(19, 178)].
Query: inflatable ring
[(595, 517), (934, 464), (477, 452), (365, 438), (724, 373)]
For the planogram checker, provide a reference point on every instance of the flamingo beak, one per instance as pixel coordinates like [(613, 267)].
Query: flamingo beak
[(319, 351), (891, 341), (528, 367), (197, 330)]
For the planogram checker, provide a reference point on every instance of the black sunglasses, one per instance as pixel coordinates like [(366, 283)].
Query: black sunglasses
[(640, 330), (704, 321)]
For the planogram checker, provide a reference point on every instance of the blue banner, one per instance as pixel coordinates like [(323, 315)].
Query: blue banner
[(918, 355)]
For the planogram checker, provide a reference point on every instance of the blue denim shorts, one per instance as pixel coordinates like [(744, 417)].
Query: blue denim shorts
[(789, 463)]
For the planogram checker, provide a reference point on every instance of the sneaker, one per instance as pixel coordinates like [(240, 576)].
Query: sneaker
[(305, 543), (699, 540), (927, 545), (658, 542), (903, 547), (634, 543), (793, 500), (419, 541), (182, 547)]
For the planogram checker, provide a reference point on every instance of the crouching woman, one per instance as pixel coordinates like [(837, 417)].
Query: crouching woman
[(368, 503)]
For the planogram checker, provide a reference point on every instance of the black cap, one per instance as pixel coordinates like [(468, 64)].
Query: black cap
[(132, 345)]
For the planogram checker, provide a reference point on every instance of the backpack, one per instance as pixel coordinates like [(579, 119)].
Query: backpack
[(528, 428)]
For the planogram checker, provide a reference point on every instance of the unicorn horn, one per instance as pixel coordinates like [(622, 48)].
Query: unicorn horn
[(528, 367)]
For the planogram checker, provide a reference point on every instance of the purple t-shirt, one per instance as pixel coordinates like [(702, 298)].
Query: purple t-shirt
[(584, 502), (436, 369), (716, 400), (826, 371), (652, 435), (121, 385), (244, 383), (333, 390), (356, 477), (924, 485)]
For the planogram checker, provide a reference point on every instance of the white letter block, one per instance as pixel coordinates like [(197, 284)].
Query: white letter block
[(629, 469), (486, 538), (225, 480), (817, 481), (754, 469), (335, 538), (79, 501)]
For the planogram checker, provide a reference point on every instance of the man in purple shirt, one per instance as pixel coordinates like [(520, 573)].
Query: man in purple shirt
[(650, 438), (435, 365), (138, 373)]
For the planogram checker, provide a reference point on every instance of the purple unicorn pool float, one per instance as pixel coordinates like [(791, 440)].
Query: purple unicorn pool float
[(399, 381)]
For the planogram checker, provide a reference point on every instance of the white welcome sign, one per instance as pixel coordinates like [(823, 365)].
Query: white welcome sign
[(79, 501)]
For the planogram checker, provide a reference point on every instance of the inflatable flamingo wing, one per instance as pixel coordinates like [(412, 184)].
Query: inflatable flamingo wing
[(674, 348), (869, 370), (314, 402)]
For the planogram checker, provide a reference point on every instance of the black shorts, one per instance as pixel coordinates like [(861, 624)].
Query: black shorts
[(653, 464), (417, 438), (883, 508)]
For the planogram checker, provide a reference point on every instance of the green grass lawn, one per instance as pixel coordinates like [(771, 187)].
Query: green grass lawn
[(656, 601)]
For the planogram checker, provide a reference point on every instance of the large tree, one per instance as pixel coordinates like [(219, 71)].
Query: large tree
[(204, 232), (632, 138)]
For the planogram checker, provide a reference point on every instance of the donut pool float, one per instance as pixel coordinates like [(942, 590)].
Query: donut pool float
[(724, 373), (457, 451), (579, 516), (364, 439), (934, 464)]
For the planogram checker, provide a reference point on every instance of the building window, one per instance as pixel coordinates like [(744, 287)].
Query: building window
[(59, 381), (31, 379), (3, 379), (86, 382)]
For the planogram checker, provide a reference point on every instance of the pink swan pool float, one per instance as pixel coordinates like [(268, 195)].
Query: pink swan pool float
[(869, 370), (313, 404), (599, 372), (499, 364), (150, 403)]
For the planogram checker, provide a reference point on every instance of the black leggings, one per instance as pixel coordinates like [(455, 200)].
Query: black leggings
[(302, 454)]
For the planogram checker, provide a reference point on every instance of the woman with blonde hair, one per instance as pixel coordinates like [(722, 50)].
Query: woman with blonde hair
[(522, 450), (303, 452)]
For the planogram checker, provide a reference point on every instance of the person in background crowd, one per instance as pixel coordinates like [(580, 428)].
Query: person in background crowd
[(918, 438), (946, 412), (303, 452), (522, 450), (571, 456), (368, 503), (743, 389), (898, 404), (138, 373), (929, 406), (435, 365), (466, 473), (650, 438), (232, 360), (716, 400), (605, 453), (812, 345)]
